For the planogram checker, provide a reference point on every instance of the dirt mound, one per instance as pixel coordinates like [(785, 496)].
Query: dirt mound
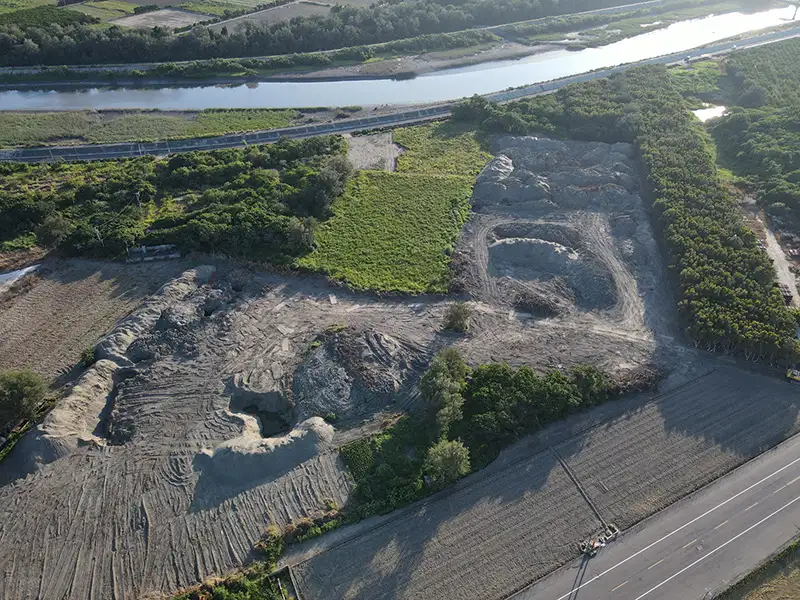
[(537, 260), (534, 175), (248, 458), (79, 418), (353, 374)]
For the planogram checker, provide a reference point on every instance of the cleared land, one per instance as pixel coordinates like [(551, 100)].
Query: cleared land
[(7, 6), (273, 15), (395, 231), (68, 307), (662, 455), (376, 151), (169, 17)]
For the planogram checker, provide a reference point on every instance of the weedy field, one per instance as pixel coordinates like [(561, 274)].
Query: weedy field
[(395, 231), (26, 129)]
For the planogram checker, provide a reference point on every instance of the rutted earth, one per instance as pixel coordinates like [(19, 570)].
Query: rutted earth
[(216, 406)]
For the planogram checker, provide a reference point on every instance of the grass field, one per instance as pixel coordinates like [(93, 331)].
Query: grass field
[(7, 6), (394, 231), (28, 129), (441, 148), (105, 10)]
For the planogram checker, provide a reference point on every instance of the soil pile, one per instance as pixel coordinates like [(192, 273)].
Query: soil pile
[(353, 374)]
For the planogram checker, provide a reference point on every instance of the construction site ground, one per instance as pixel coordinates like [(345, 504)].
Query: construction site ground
[(201, 422)]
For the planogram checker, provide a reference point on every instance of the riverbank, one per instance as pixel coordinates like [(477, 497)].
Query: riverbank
[(401, 59)]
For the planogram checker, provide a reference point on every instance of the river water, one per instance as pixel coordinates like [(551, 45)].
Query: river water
[(438, 87)]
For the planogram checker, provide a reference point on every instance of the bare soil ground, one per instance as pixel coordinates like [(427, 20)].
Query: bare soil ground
[(273, 15), (11, 261), (483, 539), (171, 480), (376, 151), (170, 18), (67, 307)]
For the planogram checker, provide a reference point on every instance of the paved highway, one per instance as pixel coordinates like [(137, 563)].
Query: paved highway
[(125, 150), (697, 547)]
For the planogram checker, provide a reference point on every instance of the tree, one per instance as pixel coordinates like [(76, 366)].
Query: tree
[(443, 386), (21, 393), (447, 461), (457, 317), (592, 383), (54, 229)]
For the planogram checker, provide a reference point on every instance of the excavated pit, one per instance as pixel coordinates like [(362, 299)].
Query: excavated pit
[(260, 398)]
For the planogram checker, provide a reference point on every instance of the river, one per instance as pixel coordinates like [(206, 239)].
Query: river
[(437, 87)]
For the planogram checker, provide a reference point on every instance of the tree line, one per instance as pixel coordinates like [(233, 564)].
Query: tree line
[(259, 203), (70, 44), (727, 296)]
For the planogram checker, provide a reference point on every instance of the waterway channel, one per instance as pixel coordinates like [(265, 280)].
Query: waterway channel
[(438, 87)]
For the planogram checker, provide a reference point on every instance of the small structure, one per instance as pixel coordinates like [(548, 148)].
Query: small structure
[(151, 253)]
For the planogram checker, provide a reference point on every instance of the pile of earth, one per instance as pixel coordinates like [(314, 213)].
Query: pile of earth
[(351, 375), (535, 175)]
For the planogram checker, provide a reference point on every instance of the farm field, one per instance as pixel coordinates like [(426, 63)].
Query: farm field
[(777, 580), (273, 15), (166, 17), (7, 6), (47, 326), (105, 10), (28, 129)]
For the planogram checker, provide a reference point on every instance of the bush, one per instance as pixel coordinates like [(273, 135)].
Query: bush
[(21, 393), (88, 357), (271, 545), (457, 317), (446, 463)]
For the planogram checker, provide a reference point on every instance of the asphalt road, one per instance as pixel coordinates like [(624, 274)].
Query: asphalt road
[(125, 150), (698, 546)]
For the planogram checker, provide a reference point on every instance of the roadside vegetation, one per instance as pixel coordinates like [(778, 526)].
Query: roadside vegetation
[(259, 203), (469, 416), (726, 294), (31, 129), (395, 231)]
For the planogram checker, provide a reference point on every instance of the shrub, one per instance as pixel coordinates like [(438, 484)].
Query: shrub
[(447, 461), (88, 357), (21, 393), (457, 317), (358, 457), (271, 545)]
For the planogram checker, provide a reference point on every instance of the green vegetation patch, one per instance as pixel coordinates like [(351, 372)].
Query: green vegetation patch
[(7, 6), (105, 10), (208, 7), (767, 75), (42, 16), (439, 149), (468, 416), (393, 231), (259, 203), (30, 129)]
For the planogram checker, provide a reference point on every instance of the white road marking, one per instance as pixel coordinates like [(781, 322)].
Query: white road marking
[(718, 548), (753, 505), (670, 534), (779, 489), (655, 564), (689, 544)]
